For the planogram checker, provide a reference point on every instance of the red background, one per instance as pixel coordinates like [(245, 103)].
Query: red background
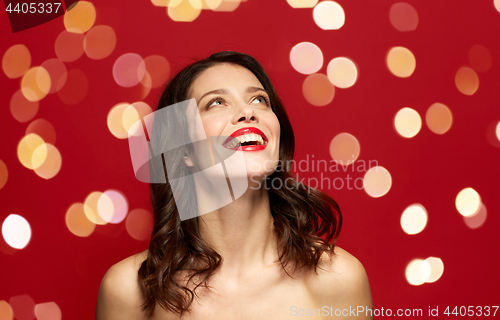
[(429, 169)]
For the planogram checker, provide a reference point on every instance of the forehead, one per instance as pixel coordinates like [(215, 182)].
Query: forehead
[(221, 76)]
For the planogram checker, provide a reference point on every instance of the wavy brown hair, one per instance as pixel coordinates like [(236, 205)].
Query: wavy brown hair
[(306, 220)]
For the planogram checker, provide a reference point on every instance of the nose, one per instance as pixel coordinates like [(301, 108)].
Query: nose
[(244, 114)]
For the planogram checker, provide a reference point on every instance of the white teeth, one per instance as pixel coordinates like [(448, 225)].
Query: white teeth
[(246, 138)]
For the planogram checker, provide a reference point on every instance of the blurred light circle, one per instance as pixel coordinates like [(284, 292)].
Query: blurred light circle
[(16, 231), (35, 84), (58, 74), (99, 42), (407, 122), (138, 224), (497, 131), (23, 307), (497, 4), (480, 58), (467, 81), (413, 273), (306, 58), (105, 207), (318, 90), (302, 3), (414, 219), (342, 72), (184, 10), (344, 148), (477, 220), (120, 206), (4, 174), (51, 165), (377, 182), (16, 61), (27, 147), (329, 15), (468, 202), (42, 128), (425, 270), (39, 156), (115, 121), (159, 70), (133, 113), (403, 17), (77, 221), (213, 4), (160, 3), (48, 311), (145, 84), (129, 69), (75, 89), (401, 62), (21, 108), (80, 18), (6, 312), (69, 46), (225, 6), (91, 209), (439, 118), (436, 269)]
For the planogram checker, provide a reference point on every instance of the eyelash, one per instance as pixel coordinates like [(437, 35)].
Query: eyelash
[(207, 106)]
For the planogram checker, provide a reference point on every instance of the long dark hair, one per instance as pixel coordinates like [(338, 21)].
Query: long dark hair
[(302, 216)]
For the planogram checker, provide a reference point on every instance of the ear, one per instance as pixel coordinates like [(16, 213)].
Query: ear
[(187, 160)]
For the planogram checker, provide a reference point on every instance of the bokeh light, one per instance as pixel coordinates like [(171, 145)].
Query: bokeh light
[(477, 220), (23, 307), (146, 85), (48, 311), (318, 90), (425, 270), (51, 164), (497, 4), (138, 224), (75, 89), (21, 108), (480, 58), (377, 181), (4, 174), (158, 69), (91, 208), (43, 129), (342, 72), (26, 147), (344, 148), (497, 131), (16, 231), (439, 118), (413, 272), (407, 122), (6, 312), (306, 58), (414, 219), (69, 46), (160, 3), (467, 81), (329, 15), (468, 202), (16, 61), (133, 113), (35, 84), (77, 221), (403, 17), (225, 5), (80, 18), (184, 10), (302, 3), (401, 62), (58, 74), (115, 121), (112, 206), (436, 268), (99, 42), (129, 69)]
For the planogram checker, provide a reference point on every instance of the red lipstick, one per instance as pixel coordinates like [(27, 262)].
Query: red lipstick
[(243, 131)]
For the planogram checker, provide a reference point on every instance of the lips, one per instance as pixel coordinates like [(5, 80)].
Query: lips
[(246, 139)]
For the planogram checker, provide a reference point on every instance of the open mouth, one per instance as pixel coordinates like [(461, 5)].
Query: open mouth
[(250, 139)]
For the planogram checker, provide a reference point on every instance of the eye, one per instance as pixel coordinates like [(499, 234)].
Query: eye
[(215, 102), (261, 99)]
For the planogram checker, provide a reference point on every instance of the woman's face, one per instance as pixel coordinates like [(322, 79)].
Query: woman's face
[(236, 110)]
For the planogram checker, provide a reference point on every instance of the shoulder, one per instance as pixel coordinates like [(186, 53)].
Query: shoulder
[(120, 295), (341, 281)]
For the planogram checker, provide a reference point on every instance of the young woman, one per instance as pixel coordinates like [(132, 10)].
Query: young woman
[(270, 252)]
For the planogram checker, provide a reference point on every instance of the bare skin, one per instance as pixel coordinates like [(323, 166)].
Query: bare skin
[(249, 284)]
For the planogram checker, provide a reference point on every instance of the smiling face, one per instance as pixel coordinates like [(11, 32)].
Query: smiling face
[(235, 108)]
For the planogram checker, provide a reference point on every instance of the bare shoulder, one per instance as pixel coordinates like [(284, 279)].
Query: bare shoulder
[(120, 296), (342, 281)]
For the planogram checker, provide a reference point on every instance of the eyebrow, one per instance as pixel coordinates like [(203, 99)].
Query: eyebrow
[(249, 89)]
